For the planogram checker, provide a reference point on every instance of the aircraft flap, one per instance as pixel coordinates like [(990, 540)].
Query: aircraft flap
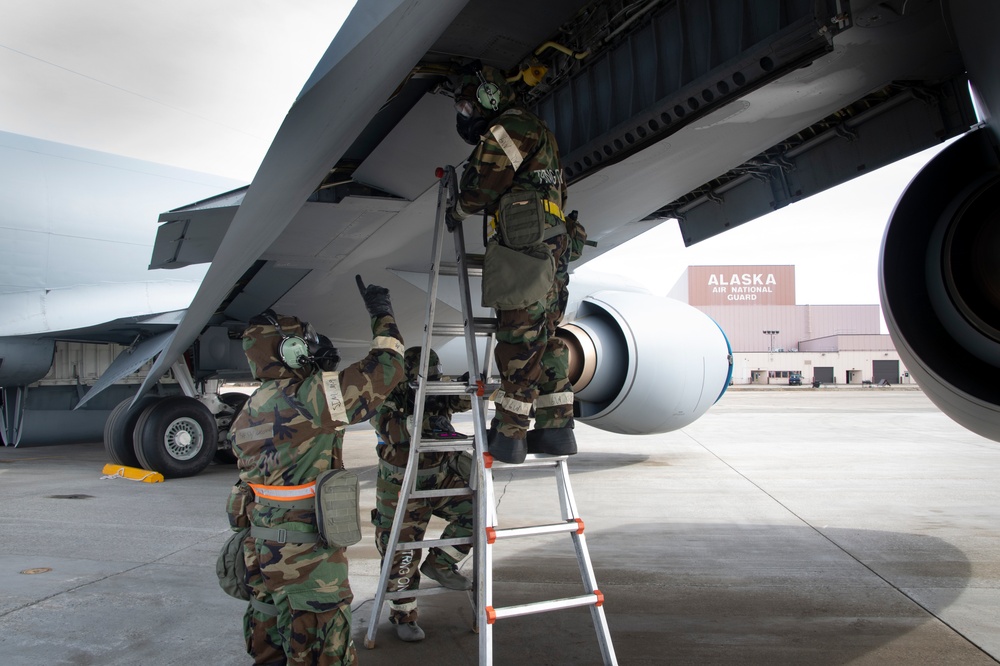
[(129, 361)]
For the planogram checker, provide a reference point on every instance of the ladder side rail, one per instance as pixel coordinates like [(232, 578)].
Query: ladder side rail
[(410, 476), (483, 553), (569, 508)]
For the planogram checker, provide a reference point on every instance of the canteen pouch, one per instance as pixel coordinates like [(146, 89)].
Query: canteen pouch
[(338, 515), (231, 568), (236, 506), (513, 280), (521, 219)]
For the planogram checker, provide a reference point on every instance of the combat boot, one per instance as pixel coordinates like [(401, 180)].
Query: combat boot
[(554, 441), (506, 449), (446, 576), (409, 632)]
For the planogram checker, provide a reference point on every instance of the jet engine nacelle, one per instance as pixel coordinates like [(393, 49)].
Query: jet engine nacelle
[(24, 360), (642, 364), (939, 281)]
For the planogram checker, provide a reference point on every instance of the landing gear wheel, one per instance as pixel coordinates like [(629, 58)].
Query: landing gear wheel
[(176, 437), (234, 401), (118, 443)]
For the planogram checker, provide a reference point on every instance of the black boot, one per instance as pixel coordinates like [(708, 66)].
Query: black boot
[(554, 441), (506, 449)]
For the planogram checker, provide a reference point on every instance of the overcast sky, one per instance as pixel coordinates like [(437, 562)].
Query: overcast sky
[(205, 85)]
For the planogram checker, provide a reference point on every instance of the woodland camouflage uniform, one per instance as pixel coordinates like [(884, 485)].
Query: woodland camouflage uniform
[(533, 363), (436, 471), (290, 430)]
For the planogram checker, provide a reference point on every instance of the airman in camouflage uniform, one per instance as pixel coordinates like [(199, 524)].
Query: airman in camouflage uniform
[(291, 430), (515, 152), (435, 471)]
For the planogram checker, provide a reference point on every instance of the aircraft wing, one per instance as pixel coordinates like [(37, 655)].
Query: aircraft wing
[(692, 111)]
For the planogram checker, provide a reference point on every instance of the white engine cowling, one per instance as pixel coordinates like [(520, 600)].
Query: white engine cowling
[(642, 364)]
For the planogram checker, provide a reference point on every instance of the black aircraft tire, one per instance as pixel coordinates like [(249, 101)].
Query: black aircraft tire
[(118, 430), (224, 455), (176, 437)]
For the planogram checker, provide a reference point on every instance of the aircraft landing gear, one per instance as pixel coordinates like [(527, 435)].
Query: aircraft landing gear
[(176, 436)]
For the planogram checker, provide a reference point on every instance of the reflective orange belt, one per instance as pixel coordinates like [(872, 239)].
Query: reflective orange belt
[(285, 493)]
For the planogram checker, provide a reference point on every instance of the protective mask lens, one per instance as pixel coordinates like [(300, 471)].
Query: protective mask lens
[(464, 108), (309, 334)]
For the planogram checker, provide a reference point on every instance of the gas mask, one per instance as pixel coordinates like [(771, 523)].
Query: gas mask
[(324, 354), (469, 122)]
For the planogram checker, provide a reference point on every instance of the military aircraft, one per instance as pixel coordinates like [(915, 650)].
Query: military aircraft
[(709, 114)]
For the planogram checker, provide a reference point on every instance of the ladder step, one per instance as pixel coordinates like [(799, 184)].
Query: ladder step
[(473, 262), (448, 388), (531, 461), (434, 543), (480, 326), (575, 525), (445, 492), (593, 599), (451, 446)]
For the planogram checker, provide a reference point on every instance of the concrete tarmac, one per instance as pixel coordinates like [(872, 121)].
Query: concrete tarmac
[(796, 526)]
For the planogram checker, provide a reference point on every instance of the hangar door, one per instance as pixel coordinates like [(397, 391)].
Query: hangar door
[(824, 375), (887, 370)]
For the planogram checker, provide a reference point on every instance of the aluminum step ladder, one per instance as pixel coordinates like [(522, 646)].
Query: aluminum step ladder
[(486, 531)]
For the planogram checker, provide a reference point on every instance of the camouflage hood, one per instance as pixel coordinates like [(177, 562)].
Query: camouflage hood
[(260, 343)]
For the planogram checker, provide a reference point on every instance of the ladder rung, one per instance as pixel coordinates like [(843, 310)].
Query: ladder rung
[(447, 388), (535, 530), (480, 326), (531, 461), (451, 446), (444, 492), (473, 262), (594, 598), (434, 543)]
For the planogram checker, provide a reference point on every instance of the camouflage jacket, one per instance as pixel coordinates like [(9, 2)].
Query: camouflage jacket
[(517, 154), (390, 423), (291, 428)]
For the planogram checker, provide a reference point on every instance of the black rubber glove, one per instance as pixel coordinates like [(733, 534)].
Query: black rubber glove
[(377, 300), (452, 220)]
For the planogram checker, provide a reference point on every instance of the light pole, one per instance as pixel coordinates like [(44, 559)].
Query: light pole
[(772, 334)]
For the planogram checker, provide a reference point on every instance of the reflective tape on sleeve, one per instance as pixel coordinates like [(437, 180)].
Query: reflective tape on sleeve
[(515, 406), (507, 144), (390, 343), (554, 399), (334, 397)]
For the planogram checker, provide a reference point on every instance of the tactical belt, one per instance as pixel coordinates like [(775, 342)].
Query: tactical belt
[(282, 535), (307, 504)]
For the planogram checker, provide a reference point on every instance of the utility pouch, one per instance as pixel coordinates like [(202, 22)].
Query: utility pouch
[(236, 506), (513, 280), (521, 219), (230, 566), (338, 515)]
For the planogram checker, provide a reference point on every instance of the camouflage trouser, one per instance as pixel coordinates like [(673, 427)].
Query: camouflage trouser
[(457, 511), (312, 626), (533, 362)]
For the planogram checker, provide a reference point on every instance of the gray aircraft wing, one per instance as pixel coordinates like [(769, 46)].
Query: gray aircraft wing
[(707, 114)]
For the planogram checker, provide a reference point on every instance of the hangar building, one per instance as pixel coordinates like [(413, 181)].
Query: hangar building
[(774, 339)]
